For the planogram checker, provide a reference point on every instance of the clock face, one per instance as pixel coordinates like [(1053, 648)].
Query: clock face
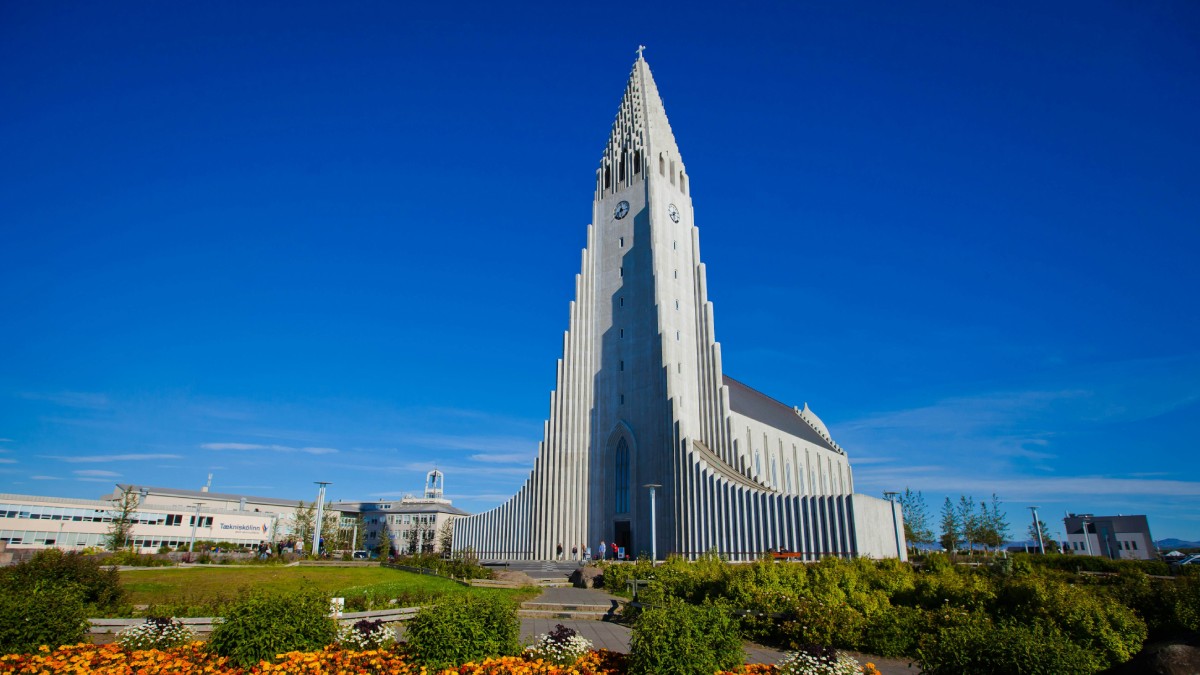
[(621, 210), (673, 212)]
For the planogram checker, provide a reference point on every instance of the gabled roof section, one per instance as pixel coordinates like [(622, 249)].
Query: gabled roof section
[(641, 126), (756, 405)]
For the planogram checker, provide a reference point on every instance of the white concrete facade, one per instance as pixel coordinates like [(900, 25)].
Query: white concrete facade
[(35, 522), (641, 399)]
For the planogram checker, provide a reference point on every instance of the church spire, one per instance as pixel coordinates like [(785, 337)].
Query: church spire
[(640, 132)]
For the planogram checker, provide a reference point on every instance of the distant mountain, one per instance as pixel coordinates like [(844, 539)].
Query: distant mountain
[(1170, 544)]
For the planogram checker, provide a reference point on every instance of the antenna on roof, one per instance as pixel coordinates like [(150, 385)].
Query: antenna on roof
[(208, 484)]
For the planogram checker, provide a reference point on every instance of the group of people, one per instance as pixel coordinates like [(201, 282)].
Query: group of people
[(603, 552)]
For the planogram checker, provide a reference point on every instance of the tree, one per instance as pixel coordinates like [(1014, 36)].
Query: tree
[(304, 519), (968, 522), (994, 530), (123, 515), (1048, 537), (916, 518), (385, 542), (331, 522), (446, 536), (950, 526)]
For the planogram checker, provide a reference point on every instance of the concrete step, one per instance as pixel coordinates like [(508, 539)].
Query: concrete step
[(565, 615), (562, 607)]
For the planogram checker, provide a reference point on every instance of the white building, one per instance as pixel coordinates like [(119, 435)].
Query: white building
[(414, 524), (641, 399), (29, 521), (1115, 537)]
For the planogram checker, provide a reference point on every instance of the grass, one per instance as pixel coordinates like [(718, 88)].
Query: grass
[(204, 591)]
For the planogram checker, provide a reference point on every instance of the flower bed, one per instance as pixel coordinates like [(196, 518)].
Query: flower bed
[(111, 659)]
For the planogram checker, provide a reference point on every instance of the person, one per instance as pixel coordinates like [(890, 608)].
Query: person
[(615, 552), (558, 552), (601, 551), (574, 553)]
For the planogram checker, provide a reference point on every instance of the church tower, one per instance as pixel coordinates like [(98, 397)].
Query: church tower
[(641, 399)]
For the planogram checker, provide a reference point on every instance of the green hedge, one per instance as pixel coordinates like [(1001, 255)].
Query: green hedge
[(464, 628), (676, 638), (44, 614), (261, 625)]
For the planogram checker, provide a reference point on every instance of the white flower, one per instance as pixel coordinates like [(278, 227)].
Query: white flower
[(155, 634)]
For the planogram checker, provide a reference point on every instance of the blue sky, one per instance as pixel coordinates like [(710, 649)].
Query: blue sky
[(312, 241)]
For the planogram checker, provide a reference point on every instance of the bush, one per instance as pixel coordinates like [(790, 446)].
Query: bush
[(459, 567), (131, 559), (895, 632), (833, 624), (98, 586), (464, 628), (979, 646), (1111, 631), (51, 615), (156, 633), (680, 639), (261, 625)]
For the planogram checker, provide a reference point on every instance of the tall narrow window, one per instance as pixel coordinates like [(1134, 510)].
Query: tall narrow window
[(622, 242), (662, 171), (757, 463), (622, 477), (787, 474)]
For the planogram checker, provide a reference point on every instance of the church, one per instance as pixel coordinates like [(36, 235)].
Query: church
[(648, 444)]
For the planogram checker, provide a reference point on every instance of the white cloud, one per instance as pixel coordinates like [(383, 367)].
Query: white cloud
[(5, 460), (71, 399), (273, 448), (132, 457), (45, 478), (96, 473), (504, 458)]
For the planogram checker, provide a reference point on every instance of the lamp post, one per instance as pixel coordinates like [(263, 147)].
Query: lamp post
[(1087, 538), (1037, 526), (891, 497), (195, 522), (653, 529), (316, 547)]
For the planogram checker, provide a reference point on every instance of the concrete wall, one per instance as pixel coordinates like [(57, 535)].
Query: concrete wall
[(878, 528)]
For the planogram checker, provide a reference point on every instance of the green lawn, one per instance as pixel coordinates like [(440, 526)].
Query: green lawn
[(204, 591)]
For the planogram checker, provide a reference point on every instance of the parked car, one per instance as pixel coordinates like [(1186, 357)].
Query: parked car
[(361, 555)]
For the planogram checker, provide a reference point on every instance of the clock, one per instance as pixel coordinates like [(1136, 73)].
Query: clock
[(621, 210), (673, 212)]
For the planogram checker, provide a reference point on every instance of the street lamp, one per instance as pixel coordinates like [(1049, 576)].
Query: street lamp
[(316, 547), (195, 522), (891, 497), (1037, 525), (653, 530)]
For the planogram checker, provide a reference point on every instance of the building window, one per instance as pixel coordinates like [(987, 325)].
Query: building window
[(622, 242), (622, 399), (622, 333), (757, 463), (622, 477), (622, 365), (1134, 544)]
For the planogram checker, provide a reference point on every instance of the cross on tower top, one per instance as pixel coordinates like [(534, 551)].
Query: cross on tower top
[(639, 50)]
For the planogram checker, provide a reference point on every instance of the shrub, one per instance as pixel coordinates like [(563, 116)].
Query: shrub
[(156, 633), (979, 646), (824, 623), (1113, 632), (680, 639), (259, 626), (464, 628), (131, 559), (51, 615), (895, 632), (459, 567), (366, 635), (562, 646), (97, 586)]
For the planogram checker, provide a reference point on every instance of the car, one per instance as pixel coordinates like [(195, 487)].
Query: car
[(361, 555)]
